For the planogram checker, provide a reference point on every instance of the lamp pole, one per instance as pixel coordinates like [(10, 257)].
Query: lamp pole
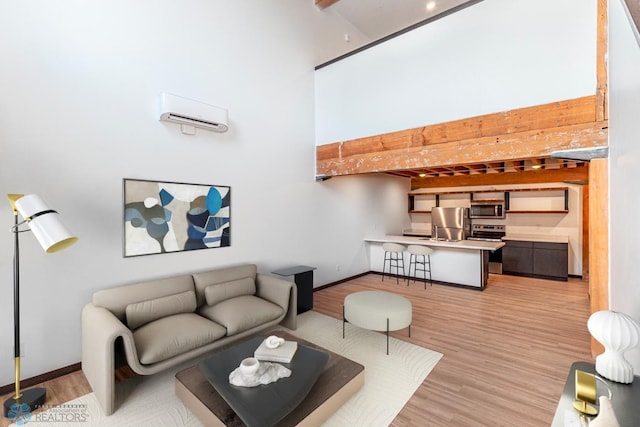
[(16, 303), (22, 402)]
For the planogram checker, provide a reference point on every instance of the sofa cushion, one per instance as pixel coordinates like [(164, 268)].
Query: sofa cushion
[(141, 313), (116, 299), (204, 279), (174, 335), (227, 290), (242, 313)]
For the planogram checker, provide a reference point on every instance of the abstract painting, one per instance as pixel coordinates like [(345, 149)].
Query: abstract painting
[(163, 217)]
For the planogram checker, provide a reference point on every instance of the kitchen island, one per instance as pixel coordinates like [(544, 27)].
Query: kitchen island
[(463, 262)]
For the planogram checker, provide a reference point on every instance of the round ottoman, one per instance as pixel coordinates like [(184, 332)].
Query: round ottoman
[(377, 311)]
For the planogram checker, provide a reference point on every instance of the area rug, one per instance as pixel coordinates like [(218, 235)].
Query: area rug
[(390, 381)]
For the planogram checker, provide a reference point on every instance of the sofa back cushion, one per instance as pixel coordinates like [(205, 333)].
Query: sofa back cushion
[(221, 276), (118, 298), (141, 313), (227, 290)]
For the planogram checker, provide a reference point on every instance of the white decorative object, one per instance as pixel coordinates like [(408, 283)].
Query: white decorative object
[(618, 333), (273, 341), (249, 366), (607, 417), (266, 373), (283, 353)]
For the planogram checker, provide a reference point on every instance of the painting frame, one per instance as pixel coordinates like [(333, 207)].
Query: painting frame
[(162, 217)]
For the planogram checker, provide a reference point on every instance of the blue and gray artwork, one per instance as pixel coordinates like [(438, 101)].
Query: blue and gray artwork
[(167, 217)]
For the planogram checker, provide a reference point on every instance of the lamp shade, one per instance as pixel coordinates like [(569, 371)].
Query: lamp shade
[(45, 224), (618, 333)]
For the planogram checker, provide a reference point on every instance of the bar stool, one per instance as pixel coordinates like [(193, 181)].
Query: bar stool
[(394, 253), (420, 259)]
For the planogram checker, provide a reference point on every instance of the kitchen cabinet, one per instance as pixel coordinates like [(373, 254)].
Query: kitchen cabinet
[(537, 200), (517, 258), (515, 199), (551, 260), (547, 260)]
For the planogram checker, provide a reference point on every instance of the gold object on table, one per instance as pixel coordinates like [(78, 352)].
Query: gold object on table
[(585, 393)]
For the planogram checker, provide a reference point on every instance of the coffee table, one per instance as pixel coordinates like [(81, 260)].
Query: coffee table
[(340, 379)]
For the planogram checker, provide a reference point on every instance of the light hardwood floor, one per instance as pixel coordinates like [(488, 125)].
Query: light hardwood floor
[(507, 350)]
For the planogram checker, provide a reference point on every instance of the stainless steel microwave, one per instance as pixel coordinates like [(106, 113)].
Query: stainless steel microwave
[(486, 209)]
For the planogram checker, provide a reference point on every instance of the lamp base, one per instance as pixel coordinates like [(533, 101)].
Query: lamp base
[(33, 398), (585, 408)]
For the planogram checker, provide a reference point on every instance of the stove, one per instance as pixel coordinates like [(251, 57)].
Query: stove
[(487, 232), (490, 233)]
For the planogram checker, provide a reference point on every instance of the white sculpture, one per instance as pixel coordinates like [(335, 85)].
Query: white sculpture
[(249, 366), (273, 341), (618, 333), (266, 373)]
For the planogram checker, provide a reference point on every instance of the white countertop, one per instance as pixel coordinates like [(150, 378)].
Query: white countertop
[(417, 231), (462, 244), (537, 238)]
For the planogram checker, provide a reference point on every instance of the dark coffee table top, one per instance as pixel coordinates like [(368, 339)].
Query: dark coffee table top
[(263, 405), (337, 372)]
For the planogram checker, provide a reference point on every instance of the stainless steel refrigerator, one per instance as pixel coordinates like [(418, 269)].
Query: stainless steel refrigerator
[(450, 224)]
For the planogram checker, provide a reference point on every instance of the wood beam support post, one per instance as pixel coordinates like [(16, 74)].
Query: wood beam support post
[(598, 240), (323, 4), (602, 95)]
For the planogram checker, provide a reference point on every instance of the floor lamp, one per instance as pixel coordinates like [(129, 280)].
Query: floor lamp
[(52, 236)]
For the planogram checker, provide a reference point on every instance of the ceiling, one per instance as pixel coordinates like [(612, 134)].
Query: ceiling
[(377, 19), (490, 167)]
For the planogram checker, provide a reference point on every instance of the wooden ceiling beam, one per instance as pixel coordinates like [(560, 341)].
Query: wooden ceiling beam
[(496, 166), (537, 163), (577, 174), (444, 171), (516, 165), (552, 115), (477, 168), (406, 174), (323, 4), (518, 145), (463, 170)]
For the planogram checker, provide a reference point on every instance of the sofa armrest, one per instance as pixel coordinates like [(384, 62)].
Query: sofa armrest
[(281, 292), (100, 329)]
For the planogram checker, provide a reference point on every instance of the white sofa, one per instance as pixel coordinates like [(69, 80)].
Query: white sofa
[(163, 322)]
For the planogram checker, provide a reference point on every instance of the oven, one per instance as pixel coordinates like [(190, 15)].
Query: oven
[(490, 233)]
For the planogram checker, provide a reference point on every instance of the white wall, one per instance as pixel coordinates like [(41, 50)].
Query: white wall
[(77, 115), (495, 56), (624, 168)]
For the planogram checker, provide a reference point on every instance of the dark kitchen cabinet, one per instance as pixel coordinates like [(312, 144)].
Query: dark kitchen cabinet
[(517, 257), (551, 260), (536, 259)]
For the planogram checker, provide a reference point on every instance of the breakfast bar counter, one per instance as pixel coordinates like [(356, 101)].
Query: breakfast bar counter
[(464, 262)]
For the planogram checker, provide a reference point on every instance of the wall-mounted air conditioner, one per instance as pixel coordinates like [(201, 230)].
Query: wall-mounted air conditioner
[(190, 114)]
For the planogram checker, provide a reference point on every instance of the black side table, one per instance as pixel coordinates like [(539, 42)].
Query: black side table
[(624, 397), (303, 276)]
